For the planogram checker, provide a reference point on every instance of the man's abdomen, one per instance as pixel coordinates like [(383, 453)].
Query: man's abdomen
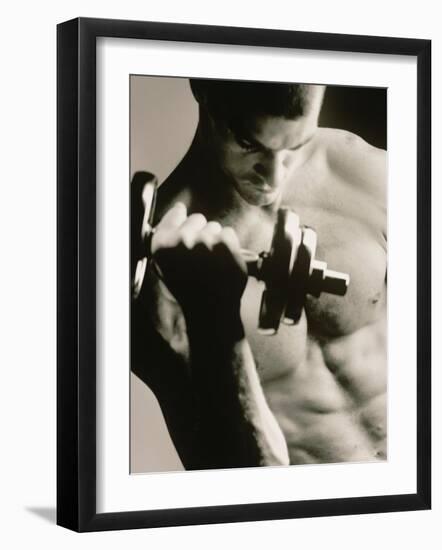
[(332, 406)]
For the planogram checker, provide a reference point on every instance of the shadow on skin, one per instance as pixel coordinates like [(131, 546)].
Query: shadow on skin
[(49, 514)]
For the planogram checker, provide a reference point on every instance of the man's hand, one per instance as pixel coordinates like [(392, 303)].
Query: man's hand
[(200, 263)]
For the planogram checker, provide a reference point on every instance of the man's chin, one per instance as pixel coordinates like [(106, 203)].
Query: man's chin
[(260, 198), (256, 195)]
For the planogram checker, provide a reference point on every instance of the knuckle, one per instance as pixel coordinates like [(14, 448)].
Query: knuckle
[(228, 235), (185, 237), (220, 244), (205, 240), (157, 246), (164, 239), (198, 218), (157, 241), (214, 226), (229, 231), (202, 244)]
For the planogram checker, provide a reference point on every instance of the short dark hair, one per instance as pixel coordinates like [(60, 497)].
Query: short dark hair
[(235, 100)]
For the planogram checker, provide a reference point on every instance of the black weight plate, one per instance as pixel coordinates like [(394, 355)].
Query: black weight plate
[(299, 278), (276, 270), (269, 313)]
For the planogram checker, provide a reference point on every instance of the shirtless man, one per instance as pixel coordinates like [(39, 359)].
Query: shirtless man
[(231, 397)]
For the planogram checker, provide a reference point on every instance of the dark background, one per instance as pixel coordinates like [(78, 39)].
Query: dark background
[(362, 111)]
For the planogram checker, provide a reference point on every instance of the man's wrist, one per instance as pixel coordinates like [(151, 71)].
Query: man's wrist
[(215, 323)]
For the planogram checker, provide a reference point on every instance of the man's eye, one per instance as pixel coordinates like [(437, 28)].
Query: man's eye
[(244, 144)]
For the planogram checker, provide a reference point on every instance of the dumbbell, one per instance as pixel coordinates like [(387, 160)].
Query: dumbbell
[(289, 270)]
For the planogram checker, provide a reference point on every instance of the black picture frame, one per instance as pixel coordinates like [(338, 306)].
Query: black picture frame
[(76, 273)]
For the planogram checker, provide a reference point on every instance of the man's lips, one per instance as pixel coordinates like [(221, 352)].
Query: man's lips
[(262, 185)]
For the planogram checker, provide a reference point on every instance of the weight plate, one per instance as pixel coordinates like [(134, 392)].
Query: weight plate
[(299, 278), (143, 190), (276, 269), (149, 197), (269, 313)]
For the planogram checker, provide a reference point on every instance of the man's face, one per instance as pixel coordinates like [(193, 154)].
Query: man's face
[(260, 158)]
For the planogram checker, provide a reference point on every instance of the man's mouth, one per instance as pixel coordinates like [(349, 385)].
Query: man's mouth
[(262, 185)]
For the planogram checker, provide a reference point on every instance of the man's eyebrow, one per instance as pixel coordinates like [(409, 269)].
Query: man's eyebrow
[(243, 136)]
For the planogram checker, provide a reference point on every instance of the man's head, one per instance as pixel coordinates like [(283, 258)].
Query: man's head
[(257, 131)]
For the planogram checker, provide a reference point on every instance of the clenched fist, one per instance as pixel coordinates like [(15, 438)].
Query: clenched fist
[(200, 263)]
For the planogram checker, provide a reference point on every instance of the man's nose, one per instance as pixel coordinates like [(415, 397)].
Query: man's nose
[(272, 167)]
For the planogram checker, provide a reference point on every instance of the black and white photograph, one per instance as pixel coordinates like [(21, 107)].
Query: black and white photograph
[(258, 329)]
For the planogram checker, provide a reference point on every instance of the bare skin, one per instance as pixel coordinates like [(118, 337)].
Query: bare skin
[(315, 392)]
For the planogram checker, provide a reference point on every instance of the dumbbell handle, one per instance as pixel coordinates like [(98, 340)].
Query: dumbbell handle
[(321, 278), (327, 280), (334, 282)]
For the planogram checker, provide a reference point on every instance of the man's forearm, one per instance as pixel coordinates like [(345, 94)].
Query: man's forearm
[(235, 425)]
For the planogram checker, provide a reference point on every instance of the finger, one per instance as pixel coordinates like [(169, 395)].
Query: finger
[(166, 232), (173, 218), (213, 228), (208, 234), (229, 240), (229, 237), (190, 229)]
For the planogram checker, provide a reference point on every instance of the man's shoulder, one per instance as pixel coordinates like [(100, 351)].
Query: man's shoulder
[(344, 143), (354, 160)]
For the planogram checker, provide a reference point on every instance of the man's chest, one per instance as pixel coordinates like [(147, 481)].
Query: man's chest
[(354, 244)]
